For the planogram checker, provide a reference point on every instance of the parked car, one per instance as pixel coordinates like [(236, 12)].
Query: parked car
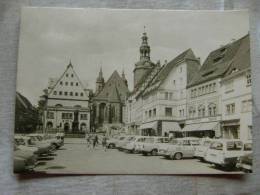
[(111, 142), (139, 144), (24, 160), (164, 147), (42, 138), (130, 145), (183, 148), (201, 150), (19, 143), (151, 145), (225, 152), (122, 142), (44, 148), (245, 163)]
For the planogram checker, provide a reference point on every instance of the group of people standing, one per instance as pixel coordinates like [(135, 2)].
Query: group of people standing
[(94, 140)]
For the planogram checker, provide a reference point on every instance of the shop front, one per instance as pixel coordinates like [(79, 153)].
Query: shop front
[(171, 129), (231, 129), (149, 129), (201, 130)]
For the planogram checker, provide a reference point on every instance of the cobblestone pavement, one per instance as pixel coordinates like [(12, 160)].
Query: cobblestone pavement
[(75, 157)]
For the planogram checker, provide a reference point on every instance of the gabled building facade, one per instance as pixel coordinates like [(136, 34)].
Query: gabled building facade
[(67, 104), (157, 105), (109, 101)]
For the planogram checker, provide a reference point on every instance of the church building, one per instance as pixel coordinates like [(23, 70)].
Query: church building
[(109, 101)]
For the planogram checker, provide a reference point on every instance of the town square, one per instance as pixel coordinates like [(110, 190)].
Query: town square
[(181, 115)]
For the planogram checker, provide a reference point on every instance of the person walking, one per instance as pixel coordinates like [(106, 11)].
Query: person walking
[(88, 139), (95, 141), (104, 143)]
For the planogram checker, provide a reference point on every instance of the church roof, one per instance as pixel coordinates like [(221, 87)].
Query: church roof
[(218, 62), (115, 89)]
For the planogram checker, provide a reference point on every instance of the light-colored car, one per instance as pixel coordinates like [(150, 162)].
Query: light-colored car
[(139, 144), (201, 150), (151, 145), (111, 142), (164, 147), (183, 148), (225, 152), (24, 160), (122, 142), (49, 139), (130, 145)]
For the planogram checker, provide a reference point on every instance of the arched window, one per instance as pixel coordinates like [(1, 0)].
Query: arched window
[(212, 109), (201, 111), (192, 112)]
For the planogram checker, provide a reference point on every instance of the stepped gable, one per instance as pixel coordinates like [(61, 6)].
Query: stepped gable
[(115, 89), (217, 63)]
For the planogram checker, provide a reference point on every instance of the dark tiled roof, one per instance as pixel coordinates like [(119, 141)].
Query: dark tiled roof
[(23, 101), (115, 89), (187, 56), (217, 63)]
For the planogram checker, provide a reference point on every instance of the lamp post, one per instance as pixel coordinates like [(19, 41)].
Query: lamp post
[(43, 107)]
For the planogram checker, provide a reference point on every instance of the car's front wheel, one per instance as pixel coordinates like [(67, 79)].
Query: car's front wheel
[(154, 152), (178, 156)]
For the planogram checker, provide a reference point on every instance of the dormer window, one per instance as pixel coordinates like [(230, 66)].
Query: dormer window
[(61, 83), (217, 59), (67, 75), (72, 75)]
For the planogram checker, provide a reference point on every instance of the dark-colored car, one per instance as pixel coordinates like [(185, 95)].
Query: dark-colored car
[(245, 163)]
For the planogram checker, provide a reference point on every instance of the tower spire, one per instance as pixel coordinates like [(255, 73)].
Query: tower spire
[(144, 48)]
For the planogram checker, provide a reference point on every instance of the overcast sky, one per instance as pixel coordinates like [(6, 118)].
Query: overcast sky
[(91, 38)]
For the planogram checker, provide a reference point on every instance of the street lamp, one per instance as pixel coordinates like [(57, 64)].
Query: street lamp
[(43, 106)]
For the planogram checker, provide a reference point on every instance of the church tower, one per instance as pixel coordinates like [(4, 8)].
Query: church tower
[(100, 82), (144, 63)]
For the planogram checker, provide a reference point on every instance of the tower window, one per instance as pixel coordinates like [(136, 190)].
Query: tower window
[(60, 93), (76, 93), (66, 83), (55, 93), (77, 84), (81, 94), (61, 83), (71, 83), (67, 75), (65, 93), (72, 75), (71, 93)]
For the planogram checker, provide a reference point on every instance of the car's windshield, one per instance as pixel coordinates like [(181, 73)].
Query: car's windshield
[(173, 142), (162, 140), (216, 146), (149, 140), (248, 147), (234, 145), (140, 139)]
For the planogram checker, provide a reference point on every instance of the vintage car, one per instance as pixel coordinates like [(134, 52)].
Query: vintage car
[(24, 160), (130, 145), (225, 152), (44, 148), (42, 138), (122, 142), (19, 143), (245, 163), (138, 146), (201, 150), (111, 142), (164, 147), (151, 145), (182, 148)]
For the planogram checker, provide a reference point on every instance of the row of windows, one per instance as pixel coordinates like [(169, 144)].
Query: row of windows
[(212, 111), (150, 113), (168, 112), (209, 88), (67, 75), (67, 83), (68, 93), (246, 106), (50, 115)]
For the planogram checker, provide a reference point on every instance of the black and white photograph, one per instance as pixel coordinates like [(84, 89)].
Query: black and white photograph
[(128, 91)]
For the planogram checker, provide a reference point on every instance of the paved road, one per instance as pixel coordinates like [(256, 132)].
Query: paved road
[(75, 157)]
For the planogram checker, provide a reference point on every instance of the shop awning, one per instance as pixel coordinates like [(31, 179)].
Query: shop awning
[(208, 126), (170, 126), (151, 125), (191, 127)]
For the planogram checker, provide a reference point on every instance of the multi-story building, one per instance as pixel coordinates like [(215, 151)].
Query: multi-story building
[(236, 95), (208, 101), (157, 106), (66, 104)]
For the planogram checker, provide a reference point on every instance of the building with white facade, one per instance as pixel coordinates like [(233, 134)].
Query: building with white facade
[(66, 104), (216, 93), (157, 106)]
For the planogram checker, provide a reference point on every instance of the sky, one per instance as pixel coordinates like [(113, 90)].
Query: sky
[(107, 38)]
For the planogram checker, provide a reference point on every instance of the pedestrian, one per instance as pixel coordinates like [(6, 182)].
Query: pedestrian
[(88, 139), (104, 143), (95, 141)]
